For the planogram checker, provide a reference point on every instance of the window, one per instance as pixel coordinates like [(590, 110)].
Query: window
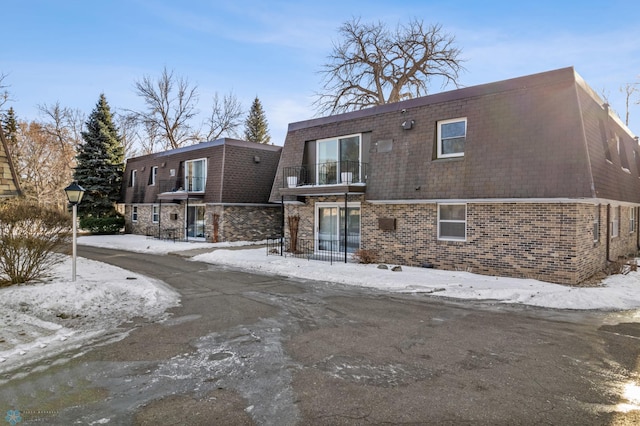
[(452, 222), (596, 225), (155, 213), (153, 175), (195, 175), (132, 178), (451, 137), (615, 221), (339, 160), (632, 220), (134, 213)]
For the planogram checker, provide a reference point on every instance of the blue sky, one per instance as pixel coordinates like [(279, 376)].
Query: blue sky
[(71, 51)]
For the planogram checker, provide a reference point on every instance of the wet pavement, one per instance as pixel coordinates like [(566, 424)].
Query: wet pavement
[(253, 349)]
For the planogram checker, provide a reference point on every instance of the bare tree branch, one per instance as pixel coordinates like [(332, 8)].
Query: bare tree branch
[(373, 66), (4, 93), (225, 118), (171, 105)]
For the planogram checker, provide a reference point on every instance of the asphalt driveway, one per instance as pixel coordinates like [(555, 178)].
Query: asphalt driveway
[(253, 349)]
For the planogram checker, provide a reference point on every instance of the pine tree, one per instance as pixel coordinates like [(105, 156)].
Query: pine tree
[(100, 163), (256, 128), (10, 127)]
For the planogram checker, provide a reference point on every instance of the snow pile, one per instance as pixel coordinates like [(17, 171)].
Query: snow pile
[(617, 292), (56, 315)]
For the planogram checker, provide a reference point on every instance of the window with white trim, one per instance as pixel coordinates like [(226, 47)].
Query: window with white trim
[(452, 222), (132, 178), (339, 160), (451, 135), (632, 220), (615, 221), (195, 175), (134, 213), (155, 213), (153, 175)]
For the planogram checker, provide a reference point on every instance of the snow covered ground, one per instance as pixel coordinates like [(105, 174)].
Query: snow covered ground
[(56, 315)]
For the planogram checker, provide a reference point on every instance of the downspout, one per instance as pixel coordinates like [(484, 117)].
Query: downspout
[(186, 221), (637, 230), (159, 217), (345, 226), (608, 231)]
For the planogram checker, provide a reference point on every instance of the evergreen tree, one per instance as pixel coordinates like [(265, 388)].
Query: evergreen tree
[(100, 164), (256, 128), (10, 127)]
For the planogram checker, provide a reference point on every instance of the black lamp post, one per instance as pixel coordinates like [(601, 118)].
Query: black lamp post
[(74, 195)]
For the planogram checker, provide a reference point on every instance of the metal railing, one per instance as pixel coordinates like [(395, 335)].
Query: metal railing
[(328, 250), (332, 173), (194, 184), (169, 234)]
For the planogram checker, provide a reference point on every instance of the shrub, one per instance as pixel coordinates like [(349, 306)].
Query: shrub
[(102, 225), (621, 266), (30, 236), (365, 256)]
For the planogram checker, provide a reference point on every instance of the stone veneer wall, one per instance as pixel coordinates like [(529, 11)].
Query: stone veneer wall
[(236, 223), (145, 225), (244, 223)]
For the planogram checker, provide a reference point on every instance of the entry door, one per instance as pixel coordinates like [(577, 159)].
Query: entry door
[(331, 228), (195, 222)]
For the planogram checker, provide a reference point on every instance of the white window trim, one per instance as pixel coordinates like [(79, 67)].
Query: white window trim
[(439, 140), (337, 139), (615, 222), (154, 175), (134, 213), (154, 214), (632, 220), (204, 174), (134, 175), (446, 238), (339, 205)]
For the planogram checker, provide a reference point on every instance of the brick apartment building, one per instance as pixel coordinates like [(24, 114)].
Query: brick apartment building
[(528, 177), (213, 191)]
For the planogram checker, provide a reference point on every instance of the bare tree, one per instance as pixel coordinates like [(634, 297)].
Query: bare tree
[(43, 166), (127, 124), (64, 124), (4, 93), (372, 65), (629, 89), (225, 118), (171, 103)]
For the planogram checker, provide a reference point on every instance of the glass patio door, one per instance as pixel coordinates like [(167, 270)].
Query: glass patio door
[(331, 229), (338, 160), (195, 222)]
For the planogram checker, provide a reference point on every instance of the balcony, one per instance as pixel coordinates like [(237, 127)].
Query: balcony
[(325, 178), (174, 188)]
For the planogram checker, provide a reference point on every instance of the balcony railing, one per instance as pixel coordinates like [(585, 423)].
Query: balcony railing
[(328, 250), (194, 184), (333, 173)]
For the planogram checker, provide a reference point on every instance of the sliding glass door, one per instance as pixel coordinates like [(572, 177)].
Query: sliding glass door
[(331, 232), (195, 222), (338, 160)]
